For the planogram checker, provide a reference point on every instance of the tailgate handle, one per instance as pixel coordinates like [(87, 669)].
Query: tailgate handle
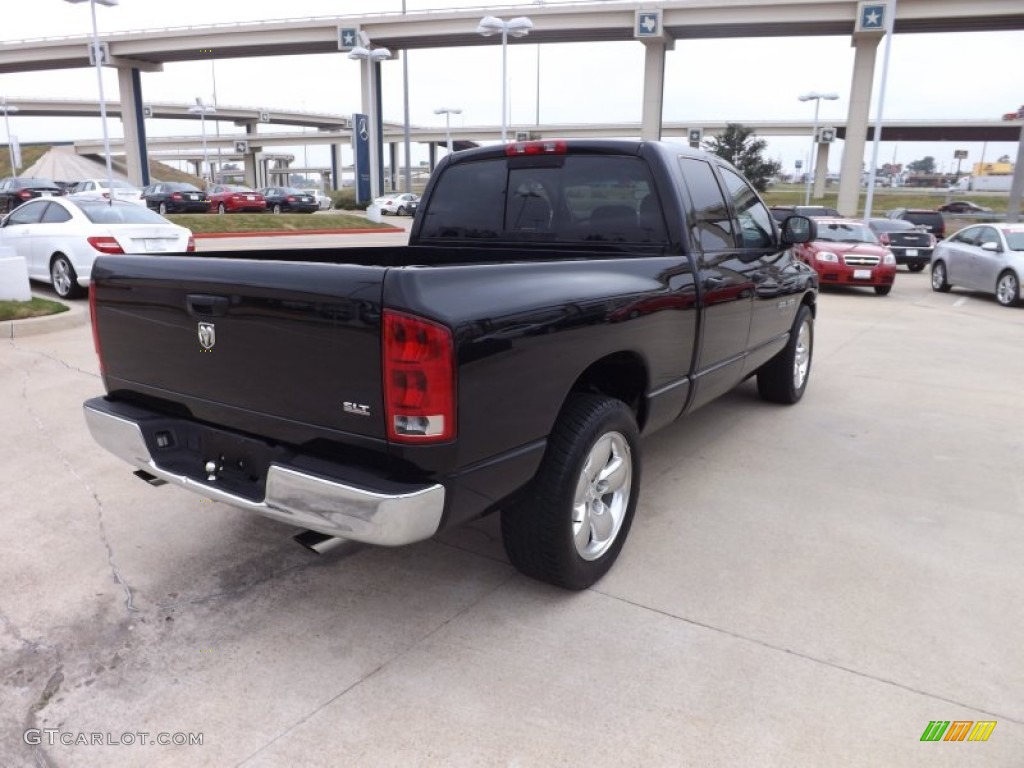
[(207, 306)]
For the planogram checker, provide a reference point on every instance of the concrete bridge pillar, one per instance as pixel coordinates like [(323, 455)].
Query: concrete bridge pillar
[(654, 88), (866, 47), (136, 157)]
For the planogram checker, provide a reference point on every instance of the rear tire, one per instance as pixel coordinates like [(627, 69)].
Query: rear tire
[(783, 379), (162, 209), (915, 267), (1008, 289), (221, 209), (276, 208), (400, 211), (939, 281), (64, 278), (570, 525), (883, 290)]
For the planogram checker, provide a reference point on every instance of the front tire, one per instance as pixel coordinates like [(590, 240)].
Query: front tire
[(277, 208), (940, 282), (570, 526), (63, 277), (783, 379), (883, 290), (1008, 289)]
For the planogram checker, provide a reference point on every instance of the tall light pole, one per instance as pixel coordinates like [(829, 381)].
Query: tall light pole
[(538, 2), (97, 55), (371, 57), (9, 110), (448, 112), (816, 98), (201, 109), (220, 163), (517, 27)]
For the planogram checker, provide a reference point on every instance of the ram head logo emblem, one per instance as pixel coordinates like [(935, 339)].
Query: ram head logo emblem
[(207, 335)]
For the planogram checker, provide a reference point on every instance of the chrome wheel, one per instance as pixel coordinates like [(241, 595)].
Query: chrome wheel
[(939, 282), (802, 356), (1007, 289), (602, 496), (62, 275)]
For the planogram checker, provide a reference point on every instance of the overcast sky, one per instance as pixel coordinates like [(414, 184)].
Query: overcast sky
[(937, 76)]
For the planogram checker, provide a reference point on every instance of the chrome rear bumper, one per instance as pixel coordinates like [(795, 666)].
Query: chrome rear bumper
[(294, 496)]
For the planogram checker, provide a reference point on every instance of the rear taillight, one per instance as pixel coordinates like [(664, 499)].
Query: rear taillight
[(95, 330), (290, 199), (105, 244), (419, 379), (176, 196), (25, 194), (190, 248)]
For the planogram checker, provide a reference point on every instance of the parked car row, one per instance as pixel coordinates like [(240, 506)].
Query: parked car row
[(180, 197)]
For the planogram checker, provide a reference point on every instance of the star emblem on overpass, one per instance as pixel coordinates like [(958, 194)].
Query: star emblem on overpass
[(872, 16)]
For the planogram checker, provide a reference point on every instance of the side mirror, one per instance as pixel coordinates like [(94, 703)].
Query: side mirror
[(991, 246), (798, 229)]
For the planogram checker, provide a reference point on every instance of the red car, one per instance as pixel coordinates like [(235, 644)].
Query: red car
[(846, 252), (232, 198)]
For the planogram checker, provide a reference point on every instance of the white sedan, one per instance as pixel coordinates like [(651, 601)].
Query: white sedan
[(102, 189), (60, 239), (398, 203)]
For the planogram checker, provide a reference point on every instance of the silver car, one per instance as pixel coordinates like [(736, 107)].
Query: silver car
[(982, 257)]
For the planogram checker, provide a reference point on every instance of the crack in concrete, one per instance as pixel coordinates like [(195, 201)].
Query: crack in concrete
[(51, 358), (814, 659), (380, 668), (66, 462)]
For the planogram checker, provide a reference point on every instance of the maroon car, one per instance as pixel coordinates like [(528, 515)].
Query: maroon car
[(234, 198)]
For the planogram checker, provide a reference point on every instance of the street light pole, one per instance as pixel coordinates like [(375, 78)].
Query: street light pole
[(8, 110), (517, 27), (98, 59), (448, 112), (203, 110), (816, 98)]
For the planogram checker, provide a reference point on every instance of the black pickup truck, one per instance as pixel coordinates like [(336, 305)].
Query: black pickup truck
[(556, 301)]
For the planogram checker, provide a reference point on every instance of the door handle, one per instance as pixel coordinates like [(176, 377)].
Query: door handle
[(200, 305), (714, 282)]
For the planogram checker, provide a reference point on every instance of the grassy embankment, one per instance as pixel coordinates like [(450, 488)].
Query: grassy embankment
[(19, 310)]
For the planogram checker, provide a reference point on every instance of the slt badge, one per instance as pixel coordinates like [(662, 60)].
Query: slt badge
[(207, 335)]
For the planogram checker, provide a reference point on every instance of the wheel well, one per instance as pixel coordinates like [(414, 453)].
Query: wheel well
[(55, 254), (622, 376)]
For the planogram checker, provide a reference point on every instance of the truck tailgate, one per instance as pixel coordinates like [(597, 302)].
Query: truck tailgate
[(260, 346)]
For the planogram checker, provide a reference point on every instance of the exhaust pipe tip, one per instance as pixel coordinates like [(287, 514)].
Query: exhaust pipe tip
[(319, 542)]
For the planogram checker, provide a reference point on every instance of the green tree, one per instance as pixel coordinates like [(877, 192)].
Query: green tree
[(740, 147), (925, 165)]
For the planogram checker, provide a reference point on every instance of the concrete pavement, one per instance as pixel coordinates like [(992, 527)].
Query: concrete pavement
[(802, 586)]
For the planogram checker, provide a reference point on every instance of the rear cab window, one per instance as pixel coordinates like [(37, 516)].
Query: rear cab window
[(572, 199)]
